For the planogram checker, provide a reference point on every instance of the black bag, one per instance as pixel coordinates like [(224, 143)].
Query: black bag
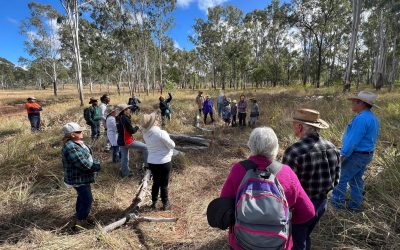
[(86, 115), (221, 213)]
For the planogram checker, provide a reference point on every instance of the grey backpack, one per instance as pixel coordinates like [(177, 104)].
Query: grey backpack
[(262, 211)]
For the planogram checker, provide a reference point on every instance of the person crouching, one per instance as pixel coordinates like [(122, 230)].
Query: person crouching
[(160, 148), (80, 168)]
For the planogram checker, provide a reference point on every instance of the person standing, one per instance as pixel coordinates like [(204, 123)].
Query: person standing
[(220, 103), (105, 100), (134, 102), (234, 113), (200, 101), (33, 109), (80, 168), (160, 147), (358, 145), (94, 118), (263, 145), (112, 133), (126, 140), (241, 107), (316, 163), (254, 113), (208, 109), (165, 109)]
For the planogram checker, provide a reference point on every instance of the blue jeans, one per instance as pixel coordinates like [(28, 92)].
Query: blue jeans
[(220, 107), (140, 146), (95, 126), (83, 201), (34, 119), (351, 172), (301, 232), (116, 156)]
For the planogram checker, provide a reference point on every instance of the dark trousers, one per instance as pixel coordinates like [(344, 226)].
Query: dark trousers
[(160, 174), (95, 129), (205, 117), (34, 119), (116, 156), (200, 111), (234, 121), (242, 119), (301, 232), (83, 201)]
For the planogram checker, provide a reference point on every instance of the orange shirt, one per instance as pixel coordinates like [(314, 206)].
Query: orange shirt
[(30, 105)]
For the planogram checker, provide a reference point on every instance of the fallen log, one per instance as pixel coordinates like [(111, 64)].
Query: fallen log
[(141, 191), (186, 139), (183, 148)]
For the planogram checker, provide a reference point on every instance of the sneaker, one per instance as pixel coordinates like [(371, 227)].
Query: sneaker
[(166, 206)]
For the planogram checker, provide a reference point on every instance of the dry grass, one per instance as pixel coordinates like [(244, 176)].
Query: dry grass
[(35, 206)]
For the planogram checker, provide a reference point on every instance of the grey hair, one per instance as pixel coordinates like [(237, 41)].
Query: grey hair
[(263, 141)]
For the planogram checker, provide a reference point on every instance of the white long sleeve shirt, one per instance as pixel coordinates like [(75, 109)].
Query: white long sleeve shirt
[(112, 133), (159, 145)]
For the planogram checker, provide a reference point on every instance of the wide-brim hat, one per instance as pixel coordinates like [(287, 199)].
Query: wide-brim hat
[(234, 101), (147, 121), (121, 107), (309, 117), (92, 100), (221, 212), (31, 98), (72, 127), (110, 109), (366, 97)]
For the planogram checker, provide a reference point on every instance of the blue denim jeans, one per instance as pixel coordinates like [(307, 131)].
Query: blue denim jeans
[(301, 232), (95, 129), (140, 146), (83, 201), (34, 119), (220, 107), (351, 172), (116, 156)]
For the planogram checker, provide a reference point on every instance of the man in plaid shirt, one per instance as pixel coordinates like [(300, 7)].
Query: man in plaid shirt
[(316, 163)]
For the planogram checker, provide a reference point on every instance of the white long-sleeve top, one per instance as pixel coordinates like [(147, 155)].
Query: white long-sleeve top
[(159, 145), (112, 133), (103, 108)]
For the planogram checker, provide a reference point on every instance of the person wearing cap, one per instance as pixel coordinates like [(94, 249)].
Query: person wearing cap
[(160, 147), (200, 101), (263, 145), (94, 118), (358, 144), (254, 113), (112, 133), (234, 113), (315, 161), (208, 109), (33, 109), (80, 168), (105, 100), (126, 140)]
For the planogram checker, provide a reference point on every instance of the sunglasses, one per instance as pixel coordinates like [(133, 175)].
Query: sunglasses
[(78, 132)]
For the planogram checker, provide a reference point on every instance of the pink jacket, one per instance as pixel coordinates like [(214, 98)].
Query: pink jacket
[(301, 206)]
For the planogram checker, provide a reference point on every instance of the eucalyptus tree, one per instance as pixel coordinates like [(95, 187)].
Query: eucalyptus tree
[(42, 39)]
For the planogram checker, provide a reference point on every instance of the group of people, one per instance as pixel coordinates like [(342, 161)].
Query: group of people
[(81, 166), (312, 167), (229, 110)]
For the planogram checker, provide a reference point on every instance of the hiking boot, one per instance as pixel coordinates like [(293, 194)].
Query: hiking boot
[(153, 205), (166, 206)]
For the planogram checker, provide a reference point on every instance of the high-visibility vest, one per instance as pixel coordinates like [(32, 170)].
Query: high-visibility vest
[(30, 105)]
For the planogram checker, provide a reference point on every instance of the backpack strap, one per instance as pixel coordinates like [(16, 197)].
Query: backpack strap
[(248, 164), (275, 167)]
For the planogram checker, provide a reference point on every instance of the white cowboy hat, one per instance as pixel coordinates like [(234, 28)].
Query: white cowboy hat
[(366, 97)]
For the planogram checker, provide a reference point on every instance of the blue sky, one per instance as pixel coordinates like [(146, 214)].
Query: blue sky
[(12, 12)]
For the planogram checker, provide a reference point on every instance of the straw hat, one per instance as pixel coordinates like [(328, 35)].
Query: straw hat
[(366, 97), (121, 107), (310, 117), (72, 127), (110, 109), (147, 121), (92, 100)]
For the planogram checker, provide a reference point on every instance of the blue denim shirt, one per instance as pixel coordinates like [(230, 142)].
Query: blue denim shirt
[(361, 134)]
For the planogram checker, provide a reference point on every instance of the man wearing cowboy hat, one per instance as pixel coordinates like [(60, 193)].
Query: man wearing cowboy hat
[(358, 145), (316, 163), (94, 118), (33, 109)]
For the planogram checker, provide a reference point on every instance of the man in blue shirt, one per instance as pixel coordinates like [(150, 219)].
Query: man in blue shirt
[(358, 145)]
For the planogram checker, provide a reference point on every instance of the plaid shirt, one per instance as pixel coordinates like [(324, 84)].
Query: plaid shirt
[(78, 168), (316, 163)]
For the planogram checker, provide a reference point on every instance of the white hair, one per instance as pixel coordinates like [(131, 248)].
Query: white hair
[(263, 141)]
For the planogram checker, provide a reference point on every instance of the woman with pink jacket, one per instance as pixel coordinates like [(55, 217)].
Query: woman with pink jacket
[(263, 145)]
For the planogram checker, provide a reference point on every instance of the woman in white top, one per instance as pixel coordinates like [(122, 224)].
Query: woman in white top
[(112, 133), (160, 148)]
